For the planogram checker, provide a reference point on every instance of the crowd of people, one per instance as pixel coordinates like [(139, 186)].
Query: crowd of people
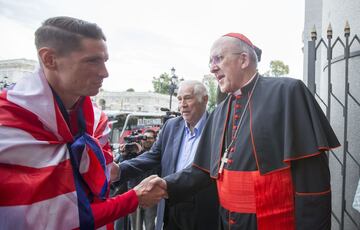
[(258, 161)]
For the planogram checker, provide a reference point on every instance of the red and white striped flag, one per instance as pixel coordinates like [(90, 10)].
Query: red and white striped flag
[(37, 188)]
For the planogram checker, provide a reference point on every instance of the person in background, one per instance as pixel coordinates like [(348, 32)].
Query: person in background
[(174, 150), (54, 142), (144, 215)]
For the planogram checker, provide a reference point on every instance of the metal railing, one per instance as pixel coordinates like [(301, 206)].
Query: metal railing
[(348, 219)]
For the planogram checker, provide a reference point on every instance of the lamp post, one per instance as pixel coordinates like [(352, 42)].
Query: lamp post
[(173, 85)]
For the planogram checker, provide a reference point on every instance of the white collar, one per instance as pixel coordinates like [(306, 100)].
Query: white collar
[(238, 92)]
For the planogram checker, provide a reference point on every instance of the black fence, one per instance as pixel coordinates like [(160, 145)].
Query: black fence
[(335, 82)]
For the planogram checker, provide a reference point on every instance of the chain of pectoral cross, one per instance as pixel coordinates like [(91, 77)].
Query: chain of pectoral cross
[(224, 158)]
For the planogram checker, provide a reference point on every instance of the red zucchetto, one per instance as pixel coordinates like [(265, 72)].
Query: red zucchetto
[(241, 37), (247, 41)]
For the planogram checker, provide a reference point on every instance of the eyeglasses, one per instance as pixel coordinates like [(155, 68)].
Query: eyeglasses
[(217, 59)]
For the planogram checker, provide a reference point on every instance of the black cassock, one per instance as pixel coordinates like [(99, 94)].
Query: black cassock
[(277, 174)]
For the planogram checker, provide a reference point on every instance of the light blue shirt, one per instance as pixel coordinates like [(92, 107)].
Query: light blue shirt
[(189, 144)]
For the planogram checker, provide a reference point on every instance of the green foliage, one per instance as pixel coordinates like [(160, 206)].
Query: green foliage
[(161, 83), (211, 86), (278, 68)]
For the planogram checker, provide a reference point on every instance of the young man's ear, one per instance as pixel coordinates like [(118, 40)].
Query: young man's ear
[(47, 57)]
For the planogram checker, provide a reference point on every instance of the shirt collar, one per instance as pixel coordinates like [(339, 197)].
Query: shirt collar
[(199, 125)]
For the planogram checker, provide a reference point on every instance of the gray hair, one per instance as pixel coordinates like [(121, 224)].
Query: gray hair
[(199, 89), (64, 34), (247, 49)]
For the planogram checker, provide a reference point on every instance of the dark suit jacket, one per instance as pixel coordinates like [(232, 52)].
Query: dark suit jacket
[(203, 206)]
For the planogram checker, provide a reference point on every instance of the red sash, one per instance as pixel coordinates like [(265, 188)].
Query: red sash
[(270, 196)]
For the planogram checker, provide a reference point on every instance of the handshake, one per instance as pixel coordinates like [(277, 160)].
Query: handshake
[(151, 190)]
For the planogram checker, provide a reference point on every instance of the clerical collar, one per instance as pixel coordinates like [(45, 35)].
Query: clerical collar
[(239, 92)]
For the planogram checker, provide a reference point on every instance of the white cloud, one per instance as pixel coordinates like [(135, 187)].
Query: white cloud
[(147, 38)]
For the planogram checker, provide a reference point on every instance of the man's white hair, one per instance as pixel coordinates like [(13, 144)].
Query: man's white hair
[(199, 88)]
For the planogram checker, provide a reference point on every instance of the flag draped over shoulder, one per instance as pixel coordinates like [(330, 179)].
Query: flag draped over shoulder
[(48, 176)]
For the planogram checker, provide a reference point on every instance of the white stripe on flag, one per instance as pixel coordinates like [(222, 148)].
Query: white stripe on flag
[(33, 93), (20, 148), (105, 136), (58, 213), (97, 115)]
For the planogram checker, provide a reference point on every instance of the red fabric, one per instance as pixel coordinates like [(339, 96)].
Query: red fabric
[(13, 115), (275, 201), (103, 123), (63, 129), (89, 116), (236, 191), (270, 196), (113, 208), (48, 182), (241, 37), (35, 182)]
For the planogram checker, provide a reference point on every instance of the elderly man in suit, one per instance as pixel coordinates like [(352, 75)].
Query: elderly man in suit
[(174, 150)]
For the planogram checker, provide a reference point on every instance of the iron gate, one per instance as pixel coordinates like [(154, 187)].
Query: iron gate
[(338, 95)]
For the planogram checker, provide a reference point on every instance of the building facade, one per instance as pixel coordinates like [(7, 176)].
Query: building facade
[(12, 70), (134, 101)]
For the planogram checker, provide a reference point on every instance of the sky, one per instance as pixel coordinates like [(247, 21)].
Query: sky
[(147, 38)]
